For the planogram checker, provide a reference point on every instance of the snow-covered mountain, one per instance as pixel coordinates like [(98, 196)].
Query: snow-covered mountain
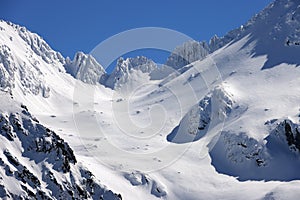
[(35, 161), (277, 26), (19, 66), (187, 53), (85, 68), (223, 125), (125, 70)]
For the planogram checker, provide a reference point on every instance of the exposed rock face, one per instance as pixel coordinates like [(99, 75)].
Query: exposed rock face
[(42, 165), (137, 178), (214, 108), (287, 132), (249, 159)]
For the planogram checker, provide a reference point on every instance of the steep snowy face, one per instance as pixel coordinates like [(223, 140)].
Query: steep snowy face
[(187, 53), (36, 163), (25, 59), (213, 109), (277, 26), (140, 65), (38, 45), (85, 68), (7, 68)]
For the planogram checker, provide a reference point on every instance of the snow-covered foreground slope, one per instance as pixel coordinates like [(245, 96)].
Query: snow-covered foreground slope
[(36, 163), (223, 127)]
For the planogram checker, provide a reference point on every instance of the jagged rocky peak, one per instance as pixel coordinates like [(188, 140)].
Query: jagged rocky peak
[(139, 63), (124, 67), (187, 53), (85, 68)]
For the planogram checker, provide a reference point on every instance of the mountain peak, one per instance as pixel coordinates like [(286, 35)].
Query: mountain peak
[(140, 62), (25, 60), (187, 53), (36, 43), (279, 19), (85, 68), (125, 66)]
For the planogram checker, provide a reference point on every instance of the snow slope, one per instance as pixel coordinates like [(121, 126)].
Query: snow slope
[(223, 127), (36, 163)]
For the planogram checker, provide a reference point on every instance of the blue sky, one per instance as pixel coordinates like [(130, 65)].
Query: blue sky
[(71, 26)]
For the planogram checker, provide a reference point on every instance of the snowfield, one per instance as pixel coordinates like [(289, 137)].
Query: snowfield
[(221, 124)]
